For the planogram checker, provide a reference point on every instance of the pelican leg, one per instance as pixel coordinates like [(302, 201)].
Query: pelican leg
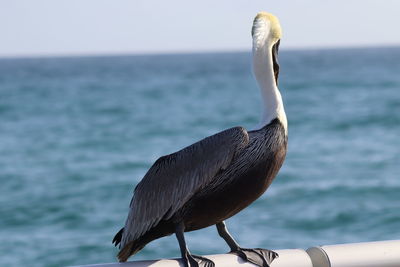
[(190, 260), (258, 256)]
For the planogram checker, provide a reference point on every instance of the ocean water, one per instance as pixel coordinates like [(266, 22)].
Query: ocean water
[(77, 134)]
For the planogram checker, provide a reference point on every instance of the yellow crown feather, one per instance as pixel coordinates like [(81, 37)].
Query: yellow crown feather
[(275, 28)]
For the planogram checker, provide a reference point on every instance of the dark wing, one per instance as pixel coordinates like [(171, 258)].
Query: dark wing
[(175, 178)]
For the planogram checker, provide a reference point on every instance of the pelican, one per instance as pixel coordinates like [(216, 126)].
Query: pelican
[(211, 180)]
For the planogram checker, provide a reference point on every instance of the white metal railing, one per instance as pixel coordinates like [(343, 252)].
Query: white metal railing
[(368, 254)]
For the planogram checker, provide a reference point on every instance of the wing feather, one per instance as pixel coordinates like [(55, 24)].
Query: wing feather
[(174, 179)]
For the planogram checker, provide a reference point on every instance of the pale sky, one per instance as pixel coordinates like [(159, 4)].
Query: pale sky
[(63, 27)]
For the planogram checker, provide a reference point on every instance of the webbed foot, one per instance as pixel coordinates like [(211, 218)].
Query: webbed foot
[(197, 261), (258, 256)]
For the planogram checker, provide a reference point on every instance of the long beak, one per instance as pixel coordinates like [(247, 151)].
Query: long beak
[(275, 50)]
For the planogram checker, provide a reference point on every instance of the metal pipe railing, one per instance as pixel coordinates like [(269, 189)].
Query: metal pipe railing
[(368, 254)]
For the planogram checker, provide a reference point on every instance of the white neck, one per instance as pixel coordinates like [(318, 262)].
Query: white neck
[(271, 97)]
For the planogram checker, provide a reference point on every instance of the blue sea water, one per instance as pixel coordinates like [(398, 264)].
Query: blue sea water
[(77, 134)]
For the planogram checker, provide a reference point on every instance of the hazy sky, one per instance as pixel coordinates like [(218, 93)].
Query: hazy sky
[(58, 27)]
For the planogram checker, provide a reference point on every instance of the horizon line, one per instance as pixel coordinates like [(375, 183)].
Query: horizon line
[(185, 52)]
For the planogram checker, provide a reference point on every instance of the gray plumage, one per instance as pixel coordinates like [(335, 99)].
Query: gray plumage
[(175, 178), (179, 185)]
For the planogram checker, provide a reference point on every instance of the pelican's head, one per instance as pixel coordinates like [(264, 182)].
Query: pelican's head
[(266, 30), (266, 33)]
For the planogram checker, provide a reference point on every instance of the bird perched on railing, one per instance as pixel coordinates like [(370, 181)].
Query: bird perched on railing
[(215, 178)]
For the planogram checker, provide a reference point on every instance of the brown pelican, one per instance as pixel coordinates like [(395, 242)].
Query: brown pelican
[(215, 178)]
